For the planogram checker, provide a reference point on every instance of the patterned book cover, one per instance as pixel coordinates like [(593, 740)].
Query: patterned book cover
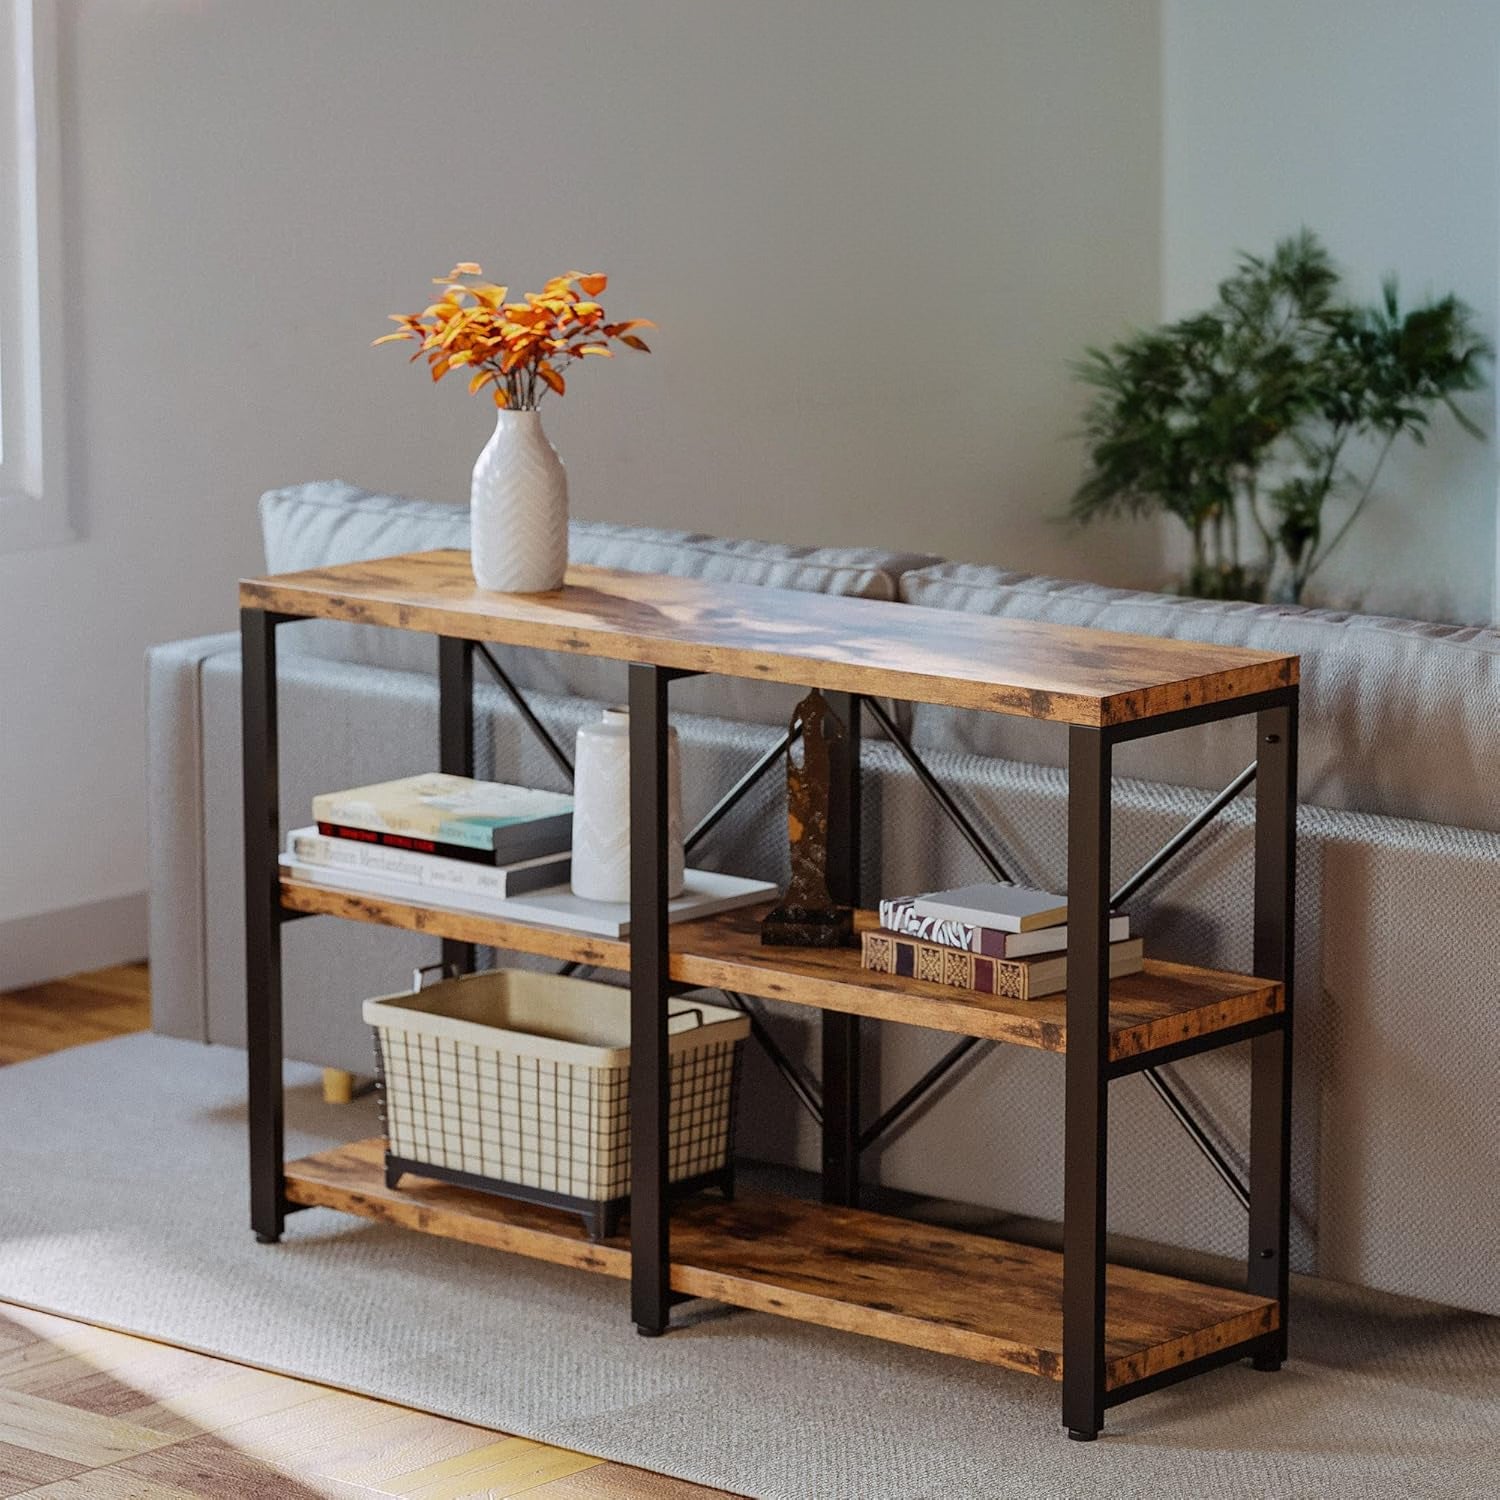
[(899, 914), (1014, 979), (894, 953)]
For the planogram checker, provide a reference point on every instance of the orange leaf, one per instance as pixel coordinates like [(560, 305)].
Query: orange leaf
[(583, 349), (387, 338), (593, 283), (481, 379), (502, 396), (636, 343), (439, 367), (552, 378)]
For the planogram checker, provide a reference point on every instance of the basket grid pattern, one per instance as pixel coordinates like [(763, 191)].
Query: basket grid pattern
[(559, 1127)]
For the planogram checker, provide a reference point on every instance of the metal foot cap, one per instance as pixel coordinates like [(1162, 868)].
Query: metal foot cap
[(1083, 1434), (649, 1333)]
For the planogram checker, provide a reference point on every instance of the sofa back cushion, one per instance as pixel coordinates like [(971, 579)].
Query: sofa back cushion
[(319, 525), (1398, 717)]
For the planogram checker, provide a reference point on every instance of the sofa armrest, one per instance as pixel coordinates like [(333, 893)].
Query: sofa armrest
[(175, 853)]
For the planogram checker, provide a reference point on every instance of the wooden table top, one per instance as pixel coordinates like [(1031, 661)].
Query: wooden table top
[(1031, 668)]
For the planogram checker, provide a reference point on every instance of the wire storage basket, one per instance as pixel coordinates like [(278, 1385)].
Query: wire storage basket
[(518, 1083)]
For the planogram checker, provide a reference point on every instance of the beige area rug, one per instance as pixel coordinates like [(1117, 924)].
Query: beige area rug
[(122, 1201)]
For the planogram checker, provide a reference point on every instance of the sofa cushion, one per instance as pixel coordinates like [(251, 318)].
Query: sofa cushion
[(1398, 716), (318, 525)]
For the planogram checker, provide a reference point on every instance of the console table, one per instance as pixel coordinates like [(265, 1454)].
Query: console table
[(1106, 1332)]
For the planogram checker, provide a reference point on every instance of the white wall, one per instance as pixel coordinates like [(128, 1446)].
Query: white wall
[(873, 233), (1377, 124)]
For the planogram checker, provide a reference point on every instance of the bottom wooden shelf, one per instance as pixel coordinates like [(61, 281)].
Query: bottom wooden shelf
[(938, 1289)]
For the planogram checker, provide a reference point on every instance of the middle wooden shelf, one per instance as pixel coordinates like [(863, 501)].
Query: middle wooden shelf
[(1165, 1006)]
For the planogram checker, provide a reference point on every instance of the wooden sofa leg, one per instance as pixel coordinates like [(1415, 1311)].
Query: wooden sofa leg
[(338, 1086)]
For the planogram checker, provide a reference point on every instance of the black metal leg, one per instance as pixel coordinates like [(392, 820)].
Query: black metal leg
[(456, 745), (1271, 1055), (262, 825), (650, 1083), (1087, 1086), (841, 1041)]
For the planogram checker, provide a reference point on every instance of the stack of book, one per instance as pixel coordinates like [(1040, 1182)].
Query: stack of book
[(445, 834), (994, 939), (474, 846)]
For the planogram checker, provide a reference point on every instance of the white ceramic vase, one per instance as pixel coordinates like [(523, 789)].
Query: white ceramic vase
[(518, 508), (601, 810)]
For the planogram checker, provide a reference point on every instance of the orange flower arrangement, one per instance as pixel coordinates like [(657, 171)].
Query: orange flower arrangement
[(517, 349)]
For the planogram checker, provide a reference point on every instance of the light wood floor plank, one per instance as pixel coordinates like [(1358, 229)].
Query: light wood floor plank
[(22, 1470), (210, 1469), (618, 1482), (504, 1477), (328, 1424), (452, 1468), (78, 1437), (415, 1442), (110, 1484), (226, 1395)]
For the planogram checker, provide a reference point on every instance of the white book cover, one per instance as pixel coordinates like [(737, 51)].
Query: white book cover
[(706, 892), (436, 872), (1008, 908), (899, 914), (1055, 939)]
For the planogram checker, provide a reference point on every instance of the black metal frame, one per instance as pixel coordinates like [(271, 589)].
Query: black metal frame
[(263, 917), (601, 1216), (1089, 1070)]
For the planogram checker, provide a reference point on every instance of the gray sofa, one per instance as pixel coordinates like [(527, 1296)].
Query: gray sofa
[(1397, 1148)]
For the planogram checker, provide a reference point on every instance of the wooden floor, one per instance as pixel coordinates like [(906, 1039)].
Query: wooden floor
[(88, 1414), (69, 1012)]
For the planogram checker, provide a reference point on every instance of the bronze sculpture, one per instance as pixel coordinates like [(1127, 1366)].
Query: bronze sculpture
[(808, 916)]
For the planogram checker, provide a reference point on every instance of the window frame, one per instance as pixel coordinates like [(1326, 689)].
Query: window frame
[(34, 502)]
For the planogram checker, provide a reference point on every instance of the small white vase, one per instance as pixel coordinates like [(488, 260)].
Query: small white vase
[(518, 509), (601, 810)]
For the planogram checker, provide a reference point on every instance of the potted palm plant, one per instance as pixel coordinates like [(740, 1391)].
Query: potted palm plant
[(1240, 420)]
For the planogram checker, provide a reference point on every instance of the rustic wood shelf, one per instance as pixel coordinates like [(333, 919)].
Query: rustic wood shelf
[(1064, 673), (1125, 1333), (952, 1292), (1164, 1006)]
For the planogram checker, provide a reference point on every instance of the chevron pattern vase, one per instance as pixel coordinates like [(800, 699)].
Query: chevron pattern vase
[(518, 509)]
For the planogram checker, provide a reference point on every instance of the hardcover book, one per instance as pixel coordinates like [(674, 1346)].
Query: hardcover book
[(1006, 908), (504, 823), (408, 841), (899, 914), (434, 872), (1014, 979)]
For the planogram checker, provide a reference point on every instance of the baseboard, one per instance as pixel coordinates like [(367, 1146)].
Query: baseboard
[(58, 943)]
